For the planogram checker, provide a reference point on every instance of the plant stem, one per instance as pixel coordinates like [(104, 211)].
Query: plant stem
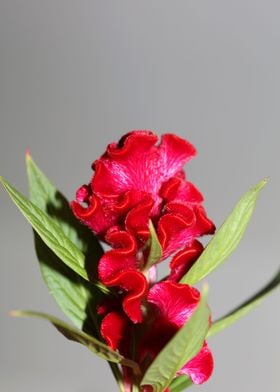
[(117, 374)]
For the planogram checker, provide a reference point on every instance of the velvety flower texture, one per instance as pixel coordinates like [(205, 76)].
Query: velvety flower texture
[(138, 179)]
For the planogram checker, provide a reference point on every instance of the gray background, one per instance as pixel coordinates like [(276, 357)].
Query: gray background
[(75, 75)]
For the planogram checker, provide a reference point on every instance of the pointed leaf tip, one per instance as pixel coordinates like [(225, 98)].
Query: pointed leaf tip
[(155, 248), (262, 183), (15, 313), (50, 232), (226, 239)]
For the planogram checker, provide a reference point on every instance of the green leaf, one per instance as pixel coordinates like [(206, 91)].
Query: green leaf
[(50, 233), (47, 197), (227, 237), (74, 295), (75, 335), (184, 346), (155, 248), (244, 308), (180, 383)]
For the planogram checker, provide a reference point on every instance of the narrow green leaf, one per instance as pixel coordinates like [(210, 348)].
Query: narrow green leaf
[(74, 295), (180, 383), (49, 231), (50, 200), (227, 237), (245, 308), (155, 248), (184, 346), (75, 335)]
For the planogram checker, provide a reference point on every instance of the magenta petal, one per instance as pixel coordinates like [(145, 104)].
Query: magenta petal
[(109, 181), (188, 192), (175, 302), (170, 188), (175, 152), (83, 194), (203, 224), (136, 142), (138, 218), (135, 286), (184, 259), (126, 201), (174, 231), (112, 263), (122, 241), (94, 215), (181, 225), (128, 166), (112, 329), (200, 368), (137, 163), (119, 259)]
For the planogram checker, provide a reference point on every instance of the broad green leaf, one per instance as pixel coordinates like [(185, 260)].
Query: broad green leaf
[(227, 237), (50, 233), (73, 294), (180, 383), (244, 308), (184, 346), (155, 248), (75, 335)]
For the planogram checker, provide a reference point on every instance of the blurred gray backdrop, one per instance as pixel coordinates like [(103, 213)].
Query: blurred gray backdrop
[(76, 75)]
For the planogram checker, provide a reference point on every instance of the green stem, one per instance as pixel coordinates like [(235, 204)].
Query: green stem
[(117, 374)]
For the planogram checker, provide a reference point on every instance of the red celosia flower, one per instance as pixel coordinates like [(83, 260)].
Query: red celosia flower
[(137, 180)]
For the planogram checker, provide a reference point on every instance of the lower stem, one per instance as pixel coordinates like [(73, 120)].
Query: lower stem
[(118, 376)]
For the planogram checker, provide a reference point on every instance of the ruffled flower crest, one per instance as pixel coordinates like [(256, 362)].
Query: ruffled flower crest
[(138, 179), (141, 178)]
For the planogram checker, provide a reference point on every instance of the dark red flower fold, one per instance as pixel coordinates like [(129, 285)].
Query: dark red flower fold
[(184, 260), (118, 268)]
